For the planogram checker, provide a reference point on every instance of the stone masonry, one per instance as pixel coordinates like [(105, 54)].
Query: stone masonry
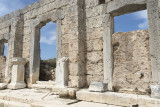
[(126, 62), (2, 68), (132, 69)]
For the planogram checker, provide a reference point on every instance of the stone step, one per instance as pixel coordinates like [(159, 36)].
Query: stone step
[(47, 85), (42, 87), (45, 82), (4, 103), (121, 99)]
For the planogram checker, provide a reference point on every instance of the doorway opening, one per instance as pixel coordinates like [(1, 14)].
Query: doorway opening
[(47, 52), (131, 53), (3, 59)]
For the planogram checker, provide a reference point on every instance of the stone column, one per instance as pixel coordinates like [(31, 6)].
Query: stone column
[(153, 7), (108, 25), (2, 48), (18, 71), (34, 56)]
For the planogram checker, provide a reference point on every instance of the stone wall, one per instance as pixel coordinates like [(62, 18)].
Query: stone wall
[(84, 29), (2, 68), (11, 32), (93, 41), (132, 68)]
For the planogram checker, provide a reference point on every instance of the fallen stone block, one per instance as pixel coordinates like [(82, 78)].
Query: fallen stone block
[(98, 87), (155, 91), (3, 86)]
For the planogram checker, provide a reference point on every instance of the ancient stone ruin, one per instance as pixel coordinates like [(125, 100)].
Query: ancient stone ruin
[(112, 68)]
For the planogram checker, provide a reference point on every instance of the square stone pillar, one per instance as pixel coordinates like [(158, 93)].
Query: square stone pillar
[(77, 77), (108, 30), (18, 71), (153, 7)]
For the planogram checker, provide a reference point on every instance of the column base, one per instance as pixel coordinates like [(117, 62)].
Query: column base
[(15, 86), (155, 91)]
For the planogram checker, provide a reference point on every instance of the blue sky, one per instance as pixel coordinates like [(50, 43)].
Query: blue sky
[(123, 23), (131, 22)]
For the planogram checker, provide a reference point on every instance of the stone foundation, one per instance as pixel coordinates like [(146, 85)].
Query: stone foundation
[(132, 68)]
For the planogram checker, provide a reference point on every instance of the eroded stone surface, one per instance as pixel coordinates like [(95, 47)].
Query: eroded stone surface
[(132, 68), (84, 36), (62, 72), (121, 99), (2, 68), (155, 91)]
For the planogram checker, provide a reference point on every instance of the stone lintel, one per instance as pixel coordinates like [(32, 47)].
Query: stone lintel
[(120, 7)]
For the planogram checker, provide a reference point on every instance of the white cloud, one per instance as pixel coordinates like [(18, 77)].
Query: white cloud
[(142, 15), (50, 40), (7, 6), (52, 32)]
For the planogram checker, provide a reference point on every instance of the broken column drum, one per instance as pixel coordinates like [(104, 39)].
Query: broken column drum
[(62, 72)]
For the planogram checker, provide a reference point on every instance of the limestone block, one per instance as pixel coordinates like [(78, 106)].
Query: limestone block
[(63, 93), (95, 56), (94, 45), (18, 70), (132, 66), (68, 93), (2, 68), (76, 56), (94, 33), (62, 72), (155, 91), (74, 68), (76, 45), (98, 87), (92, 12), (72, 93), (76, 81), (91, 3), (3, 86), (65, 48), (94, 22), (119, 7)]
